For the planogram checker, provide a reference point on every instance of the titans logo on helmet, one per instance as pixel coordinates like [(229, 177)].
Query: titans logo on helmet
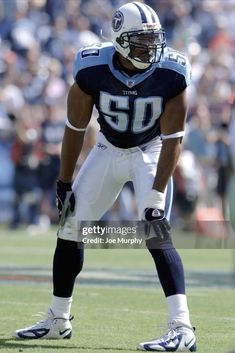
[(117, 20)]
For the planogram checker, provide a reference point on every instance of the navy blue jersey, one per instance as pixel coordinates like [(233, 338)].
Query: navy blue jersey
[(130, 107)]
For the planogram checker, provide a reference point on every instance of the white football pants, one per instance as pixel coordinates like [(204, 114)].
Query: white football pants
[(102, 176)]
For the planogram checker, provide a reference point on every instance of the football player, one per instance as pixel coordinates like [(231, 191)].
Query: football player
[(138, 86)]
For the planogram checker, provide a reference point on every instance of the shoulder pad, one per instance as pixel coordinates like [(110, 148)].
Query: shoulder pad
[(94, 55), (176, 61)]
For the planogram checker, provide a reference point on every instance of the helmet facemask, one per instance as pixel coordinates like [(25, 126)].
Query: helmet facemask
[(143, 47)]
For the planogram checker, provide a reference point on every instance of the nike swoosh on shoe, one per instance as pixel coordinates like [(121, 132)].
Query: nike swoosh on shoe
[(187, 344), (63, 332)]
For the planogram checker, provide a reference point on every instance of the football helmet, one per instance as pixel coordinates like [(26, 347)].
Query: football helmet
[(137, 34)]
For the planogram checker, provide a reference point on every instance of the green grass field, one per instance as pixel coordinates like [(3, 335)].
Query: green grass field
[(118, 301)]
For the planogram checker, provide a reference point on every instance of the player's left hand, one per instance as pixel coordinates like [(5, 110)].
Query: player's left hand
[(158, 222), (65, 200)]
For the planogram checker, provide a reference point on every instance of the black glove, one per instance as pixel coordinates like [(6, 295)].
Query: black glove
[(158, 225), (65, 200)]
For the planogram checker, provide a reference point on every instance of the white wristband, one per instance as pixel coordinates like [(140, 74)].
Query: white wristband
[(73, 127), (154, 199), (173, 136)]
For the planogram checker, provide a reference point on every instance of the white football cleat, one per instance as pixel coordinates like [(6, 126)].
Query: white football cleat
[(51, 328), (177, 339)]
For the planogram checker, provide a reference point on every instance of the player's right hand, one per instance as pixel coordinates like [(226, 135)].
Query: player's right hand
[(65, 200), (158, 222)]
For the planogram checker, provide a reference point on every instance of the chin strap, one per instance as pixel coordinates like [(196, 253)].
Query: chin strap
[(138, 64)]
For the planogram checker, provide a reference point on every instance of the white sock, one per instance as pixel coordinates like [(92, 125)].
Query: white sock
[(178, 309), (61, 306)]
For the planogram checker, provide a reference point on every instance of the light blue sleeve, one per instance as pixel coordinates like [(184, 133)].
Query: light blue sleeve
[(178, 62), (91, 56)]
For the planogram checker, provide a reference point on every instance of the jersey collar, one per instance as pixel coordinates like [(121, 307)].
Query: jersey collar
[(129, 81)]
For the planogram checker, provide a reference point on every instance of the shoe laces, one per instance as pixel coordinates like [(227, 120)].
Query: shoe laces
[(170, 334), (172, 331), (49, 317)]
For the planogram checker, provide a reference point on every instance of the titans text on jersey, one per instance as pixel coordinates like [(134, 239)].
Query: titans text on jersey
[(129, 107)]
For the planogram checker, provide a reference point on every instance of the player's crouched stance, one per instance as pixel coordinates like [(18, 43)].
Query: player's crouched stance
[(139, 91)]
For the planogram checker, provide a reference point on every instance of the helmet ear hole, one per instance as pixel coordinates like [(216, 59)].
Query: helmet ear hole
[(120, 41), (123, 42)]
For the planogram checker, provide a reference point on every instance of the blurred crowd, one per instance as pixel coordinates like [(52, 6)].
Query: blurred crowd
[(39, 39)]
